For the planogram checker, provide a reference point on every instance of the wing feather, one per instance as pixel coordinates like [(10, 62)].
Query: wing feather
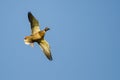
[(45, 48), (34, 23)]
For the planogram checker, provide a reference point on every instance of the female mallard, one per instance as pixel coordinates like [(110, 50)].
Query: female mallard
[(38, 36)]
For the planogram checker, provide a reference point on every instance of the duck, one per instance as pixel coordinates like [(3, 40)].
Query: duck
[(37, 36)]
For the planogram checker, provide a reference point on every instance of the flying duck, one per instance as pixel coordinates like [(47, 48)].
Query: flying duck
[(37, 35)]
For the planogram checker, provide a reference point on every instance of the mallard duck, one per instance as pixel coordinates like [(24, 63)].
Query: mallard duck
[(37, 35)]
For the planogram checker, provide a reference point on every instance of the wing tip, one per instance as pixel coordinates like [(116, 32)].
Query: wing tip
[(29, 15), (50, 58), (29, 12)]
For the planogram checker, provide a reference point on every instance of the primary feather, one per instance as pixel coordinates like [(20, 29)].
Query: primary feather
[(45, 48), (34, 23)]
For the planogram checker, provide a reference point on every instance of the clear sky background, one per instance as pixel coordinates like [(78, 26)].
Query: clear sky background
[(84, 40)]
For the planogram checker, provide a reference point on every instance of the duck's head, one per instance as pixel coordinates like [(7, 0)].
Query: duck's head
[(46, 29)]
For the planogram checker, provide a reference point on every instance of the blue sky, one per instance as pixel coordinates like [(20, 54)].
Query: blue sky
[(84, 40)]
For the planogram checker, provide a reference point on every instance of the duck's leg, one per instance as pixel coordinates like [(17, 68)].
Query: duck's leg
[(32, 44)]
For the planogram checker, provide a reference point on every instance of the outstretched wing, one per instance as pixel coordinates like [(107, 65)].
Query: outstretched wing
[(45, 48), (34, 23)]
